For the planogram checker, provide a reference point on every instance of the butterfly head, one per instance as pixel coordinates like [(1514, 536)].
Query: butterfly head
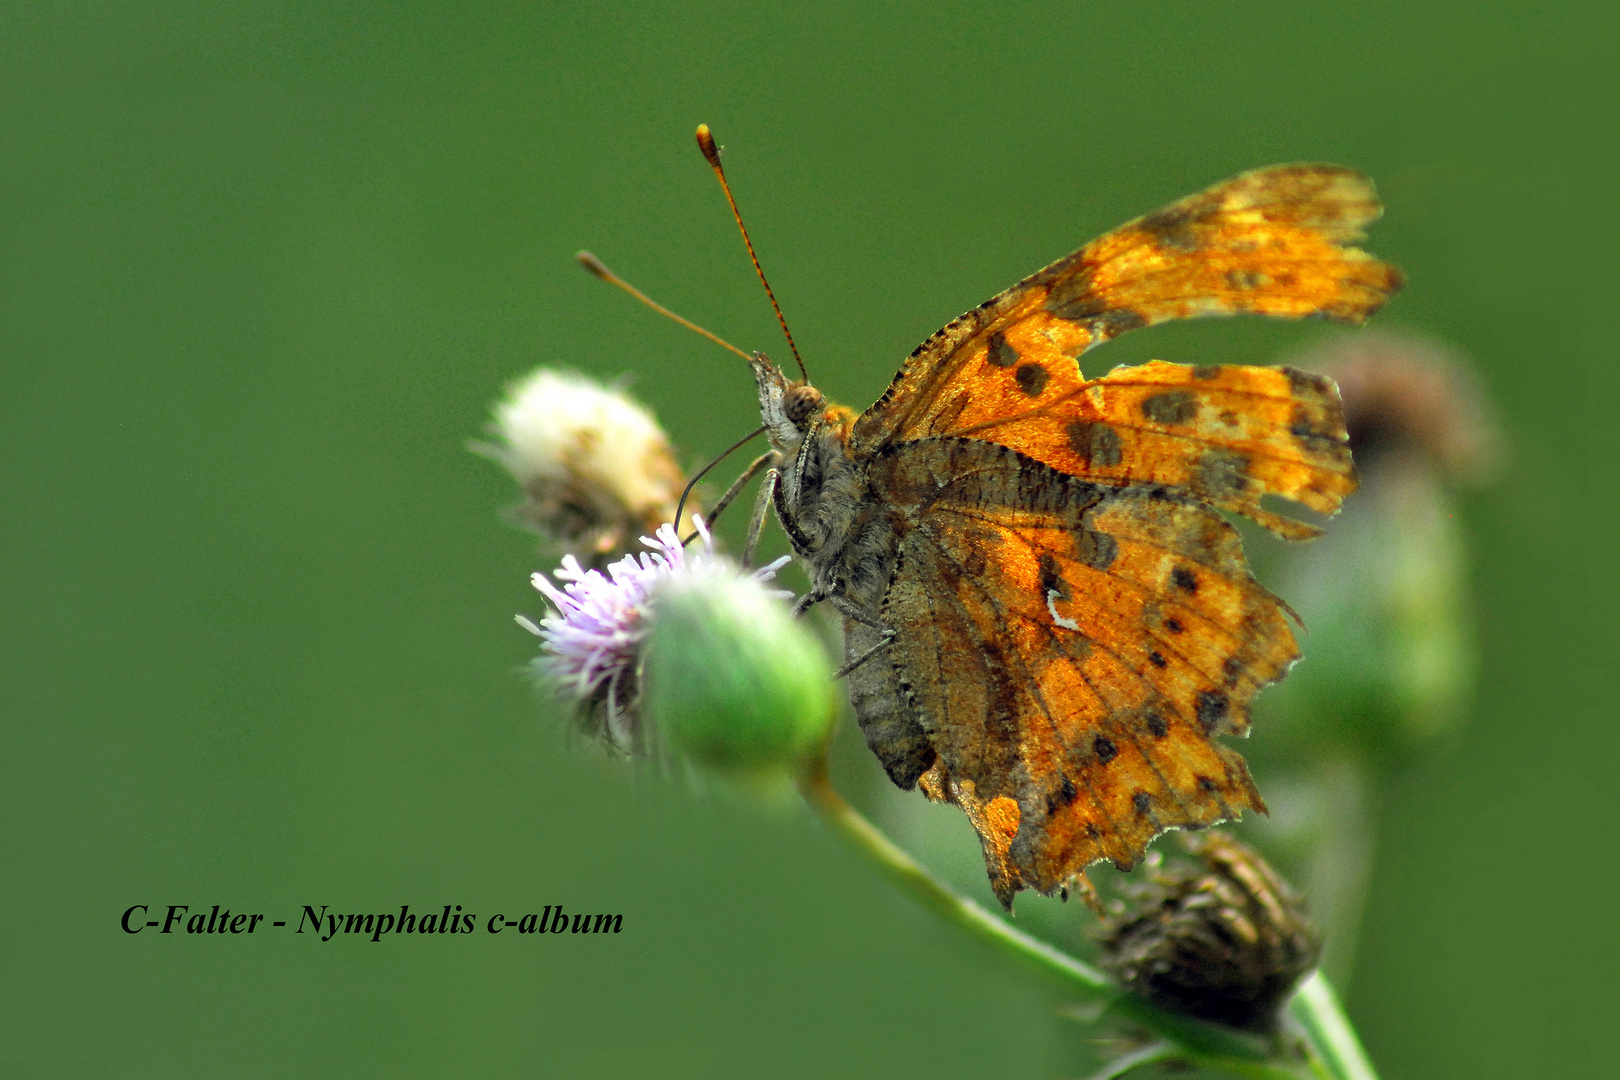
[(787, 408)]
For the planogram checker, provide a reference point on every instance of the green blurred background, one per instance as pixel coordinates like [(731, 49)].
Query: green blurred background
[(264, 267)]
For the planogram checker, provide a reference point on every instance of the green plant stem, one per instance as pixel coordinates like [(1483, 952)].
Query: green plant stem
[(1315, 1007), (1335, 1052)]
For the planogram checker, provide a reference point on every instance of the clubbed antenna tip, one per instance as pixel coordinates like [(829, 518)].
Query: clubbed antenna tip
[(593, 265), (705, 140), (711, 153)]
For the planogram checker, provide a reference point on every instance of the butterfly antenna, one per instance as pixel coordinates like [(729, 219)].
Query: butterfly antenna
[(712, 153), (680, 507), (594, 265)]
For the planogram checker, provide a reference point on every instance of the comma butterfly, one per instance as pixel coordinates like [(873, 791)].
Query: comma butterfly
[(1047, 620)]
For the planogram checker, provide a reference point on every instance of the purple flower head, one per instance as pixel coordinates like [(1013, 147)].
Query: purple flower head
[(590, 641)]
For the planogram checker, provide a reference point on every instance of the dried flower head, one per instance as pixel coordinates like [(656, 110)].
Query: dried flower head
[(596, 469), (1226, 942)]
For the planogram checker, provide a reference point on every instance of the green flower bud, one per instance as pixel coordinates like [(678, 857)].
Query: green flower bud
[(730, 680), (1390, 659)]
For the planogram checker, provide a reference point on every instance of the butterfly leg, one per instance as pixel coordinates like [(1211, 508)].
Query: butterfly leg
[(854, 611), (851, 609), (738, 484), (844, 605), (756, 520), (888, 639), (806, 602)]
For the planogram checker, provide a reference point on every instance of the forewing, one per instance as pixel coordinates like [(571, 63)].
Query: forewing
[(1072, 649), (1276, 241), (1226, 435)]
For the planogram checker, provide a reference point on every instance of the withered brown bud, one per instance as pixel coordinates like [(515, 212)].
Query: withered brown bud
[(1412, 392), (1225, 942)]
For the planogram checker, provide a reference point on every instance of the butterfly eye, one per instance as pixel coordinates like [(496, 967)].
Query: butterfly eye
[(799, 402)]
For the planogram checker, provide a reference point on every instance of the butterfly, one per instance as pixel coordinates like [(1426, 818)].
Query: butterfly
[(1047, 620)]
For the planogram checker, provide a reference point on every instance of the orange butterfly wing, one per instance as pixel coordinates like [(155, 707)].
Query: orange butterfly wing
[(1069, 648), (1274, 242), (1228, 435)]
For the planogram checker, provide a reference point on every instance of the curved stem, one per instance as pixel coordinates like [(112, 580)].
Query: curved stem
[(1335, 1052), (1194, 1036), (1151, 1054), (922, 886), (1315, 1007)]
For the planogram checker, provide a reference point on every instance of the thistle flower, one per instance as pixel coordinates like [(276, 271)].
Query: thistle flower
[(596, 469), (591, 643), (690, 641), (591, 640)]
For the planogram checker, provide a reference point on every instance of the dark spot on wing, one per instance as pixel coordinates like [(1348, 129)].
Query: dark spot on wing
[(1076, 308), (1173, 625), (1105, 748), (1221, 472), (1095, 442), (1157, 659), (1157, 725), (1206, 783), (1303, 429), (1063, 796), (1246, 279), (1212, 707), (1173, 228), (1000, 353), (1051, 579), (1114, 323), (1142, 801), (1306, 383), (1031, 379), (1170, 407), (1232, 668), (1183, 579), (1096, 549), (1207, 371), (1077, 303)]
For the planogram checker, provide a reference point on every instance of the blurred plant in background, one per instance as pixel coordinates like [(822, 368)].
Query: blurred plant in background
[(1390, 656), (682, 654)]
